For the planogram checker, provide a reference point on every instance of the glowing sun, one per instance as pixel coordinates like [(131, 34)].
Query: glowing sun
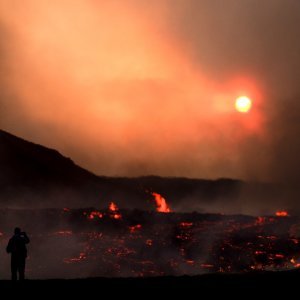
[(243, 104)]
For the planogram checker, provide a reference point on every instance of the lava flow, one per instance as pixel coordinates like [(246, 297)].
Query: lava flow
[(161, 203), (114, 211), (95, 214), (282, 213), (147, 243)]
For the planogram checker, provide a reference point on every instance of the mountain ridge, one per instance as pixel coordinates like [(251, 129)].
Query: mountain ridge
[(33, 175)]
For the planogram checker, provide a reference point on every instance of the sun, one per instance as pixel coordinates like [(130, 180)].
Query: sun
[(243, 104)]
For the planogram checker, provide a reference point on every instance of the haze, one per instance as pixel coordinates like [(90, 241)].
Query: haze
[(141, 87)]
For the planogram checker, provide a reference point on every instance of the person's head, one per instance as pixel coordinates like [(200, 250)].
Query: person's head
[(17, 230)]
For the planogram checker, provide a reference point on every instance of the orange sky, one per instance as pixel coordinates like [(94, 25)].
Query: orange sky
[(114, 86)]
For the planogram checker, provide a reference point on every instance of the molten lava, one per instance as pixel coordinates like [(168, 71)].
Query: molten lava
[(186, 224), (64, 232), (95, 214), (260, 221), (207, 266), (113, 207), (282, 213), (135, 228), (152, 244), (114, 211), (295, 263), (149, 242), (161, 203), (81, 257)]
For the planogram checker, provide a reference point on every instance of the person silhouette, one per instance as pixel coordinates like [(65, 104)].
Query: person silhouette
[(17, 248)]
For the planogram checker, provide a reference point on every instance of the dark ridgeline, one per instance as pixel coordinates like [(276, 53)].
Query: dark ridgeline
[(34, 176), (268, 283)]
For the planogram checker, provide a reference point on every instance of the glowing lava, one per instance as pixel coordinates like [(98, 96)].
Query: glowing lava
[(95, 214), (113, 207), (186, 224), (260, 221), (134, 228), (114, 211), (243, 104), (282, 213), (161, 203)]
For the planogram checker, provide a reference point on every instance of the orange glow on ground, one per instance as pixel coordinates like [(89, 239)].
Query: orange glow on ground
[(243, 104)]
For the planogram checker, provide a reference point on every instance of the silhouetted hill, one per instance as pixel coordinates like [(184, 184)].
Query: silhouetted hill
[(22, 162), (35, 176), (31, 172)]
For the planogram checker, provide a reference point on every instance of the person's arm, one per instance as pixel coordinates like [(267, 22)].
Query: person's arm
[(26, 238)]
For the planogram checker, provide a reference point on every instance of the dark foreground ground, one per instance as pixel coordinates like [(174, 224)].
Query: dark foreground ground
[(269, 281)]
